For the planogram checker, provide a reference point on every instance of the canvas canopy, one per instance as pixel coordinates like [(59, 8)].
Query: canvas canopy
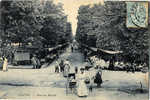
[(111, 52), (102, 50)]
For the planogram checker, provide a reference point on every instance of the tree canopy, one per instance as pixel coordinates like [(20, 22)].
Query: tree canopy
[(36, 22), (104, 26)]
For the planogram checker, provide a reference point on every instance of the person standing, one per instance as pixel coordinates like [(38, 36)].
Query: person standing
[(38, 63), (72, 48), (66, 62), (57, 67), (61, 66), (5, 64), (111, 64), (1, 63), (98, 78), (34, 62), (91, 85), (82, 89), (66, 70), (76, 69), (85, 54)]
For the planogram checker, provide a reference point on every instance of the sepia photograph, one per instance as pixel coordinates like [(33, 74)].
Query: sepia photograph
[(74, 49)]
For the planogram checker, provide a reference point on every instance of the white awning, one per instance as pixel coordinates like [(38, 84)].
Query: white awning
[(111, 52)]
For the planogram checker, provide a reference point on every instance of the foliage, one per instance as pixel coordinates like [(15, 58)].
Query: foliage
[(34, 22), (106, 25)]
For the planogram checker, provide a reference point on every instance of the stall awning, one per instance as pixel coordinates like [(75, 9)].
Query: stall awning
[(102, 50), (111, 52)]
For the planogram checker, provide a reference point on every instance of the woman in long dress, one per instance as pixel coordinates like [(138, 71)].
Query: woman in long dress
[(82, 89), (5, 64), (66, 70)]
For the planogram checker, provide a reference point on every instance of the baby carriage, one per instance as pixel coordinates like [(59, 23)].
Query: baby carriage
[(71, 83)]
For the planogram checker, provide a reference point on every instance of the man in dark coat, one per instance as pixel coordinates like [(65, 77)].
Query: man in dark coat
[(71, 48), (62, 66), (111, 64), (76, 69), (38, 63), (98, 78)]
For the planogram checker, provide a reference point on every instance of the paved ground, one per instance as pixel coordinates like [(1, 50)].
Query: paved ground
[(45, 84)]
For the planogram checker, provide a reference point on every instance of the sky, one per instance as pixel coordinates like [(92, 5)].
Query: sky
[(71, 9)]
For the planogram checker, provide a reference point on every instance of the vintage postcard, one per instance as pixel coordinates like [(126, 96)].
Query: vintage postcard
[(74, 49)]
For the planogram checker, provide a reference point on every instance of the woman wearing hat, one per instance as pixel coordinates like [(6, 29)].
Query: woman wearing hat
[(82, 90)]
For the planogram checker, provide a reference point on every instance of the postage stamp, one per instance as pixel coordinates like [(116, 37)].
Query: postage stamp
[(137, 14)]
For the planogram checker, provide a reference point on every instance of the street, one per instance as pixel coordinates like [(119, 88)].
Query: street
[(45, 84)]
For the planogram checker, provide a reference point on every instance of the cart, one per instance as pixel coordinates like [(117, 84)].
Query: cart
[(21, 57), (71, 83)]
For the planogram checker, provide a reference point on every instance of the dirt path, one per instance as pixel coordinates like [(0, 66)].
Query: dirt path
[(45, 84)]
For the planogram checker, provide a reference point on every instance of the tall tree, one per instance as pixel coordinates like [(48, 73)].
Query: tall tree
[(55, 26), (33, 22), (105, 27)]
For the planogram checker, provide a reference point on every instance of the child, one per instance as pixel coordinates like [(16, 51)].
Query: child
[(91, 84)]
